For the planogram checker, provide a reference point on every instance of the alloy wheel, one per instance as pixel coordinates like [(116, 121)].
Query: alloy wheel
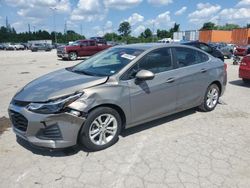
[(212, 98), (103, 129)]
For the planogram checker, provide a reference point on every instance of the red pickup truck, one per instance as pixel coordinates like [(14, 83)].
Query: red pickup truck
[(80, 48)]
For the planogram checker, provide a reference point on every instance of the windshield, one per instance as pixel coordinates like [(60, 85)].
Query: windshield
[(76, 43), (107, 62)]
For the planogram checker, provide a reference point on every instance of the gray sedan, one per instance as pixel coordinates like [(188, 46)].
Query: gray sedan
[(124, 86)]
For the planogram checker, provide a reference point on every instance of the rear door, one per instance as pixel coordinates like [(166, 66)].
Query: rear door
[(193, 76), (83, 49), (152, 98), (92, 48)]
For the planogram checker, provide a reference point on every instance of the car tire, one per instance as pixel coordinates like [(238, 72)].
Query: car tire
[(246, 81), (210, 99), (95, 135), (73, 56)]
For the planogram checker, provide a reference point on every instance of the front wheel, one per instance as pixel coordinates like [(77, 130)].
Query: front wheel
[(211, 98), (101, 129), (73, 56)]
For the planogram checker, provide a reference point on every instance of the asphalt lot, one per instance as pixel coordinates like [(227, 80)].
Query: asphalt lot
[(189, 149)]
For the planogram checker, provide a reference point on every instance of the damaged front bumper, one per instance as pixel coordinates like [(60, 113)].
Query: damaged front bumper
[(46, 130)]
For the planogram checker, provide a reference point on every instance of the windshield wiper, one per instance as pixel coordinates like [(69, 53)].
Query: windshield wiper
[(83, 72)]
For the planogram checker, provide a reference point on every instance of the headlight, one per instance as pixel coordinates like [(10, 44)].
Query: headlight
[(54, 106)]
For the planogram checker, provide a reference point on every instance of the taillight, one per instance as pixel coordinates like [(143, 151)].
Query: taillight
[(225, 66), (245, 61)]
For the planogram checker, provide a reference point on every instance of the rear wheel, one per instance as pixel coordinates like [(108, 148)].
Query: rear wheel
[(211, 98), (101, 129), (73, 56)]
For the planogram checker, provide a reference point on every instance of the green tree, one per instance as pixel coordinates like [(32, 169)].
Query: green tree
[(124, 29), (111, 37), (147, 33), (175, 28), (163, 34), (248, 25), (208, 26), (228, 27)]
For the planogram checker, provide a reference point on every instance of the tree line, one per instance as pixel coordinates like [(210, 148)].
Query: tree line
[(228, 27), (9, 34)]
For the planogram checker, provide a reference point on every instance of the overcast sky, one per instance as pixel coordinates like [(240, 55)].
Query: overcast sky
[(96, 16)]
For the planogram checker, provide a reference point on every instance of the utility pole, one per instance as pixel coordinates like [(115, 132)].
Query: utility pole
[(29, 28), (81, 29), (54, 21), (65, 28), (65, 31), (153, 38), (7, 24)]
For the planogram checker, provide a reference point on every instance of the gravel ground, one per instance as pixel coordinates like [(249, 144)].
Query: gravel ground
[(189, 149)]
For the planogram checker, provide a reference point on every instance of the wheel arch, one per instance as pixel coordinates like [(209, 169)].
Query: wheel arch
[(216, 82), (115, 107)]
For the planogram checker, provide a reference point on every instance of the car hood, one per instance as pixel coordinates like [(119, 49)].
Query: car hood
[(57, 84)]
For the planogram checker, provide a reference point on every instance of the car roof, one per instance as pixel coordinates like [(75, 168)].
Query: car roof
[(148, 46), (143, 46), (190, 42), (86, 40)]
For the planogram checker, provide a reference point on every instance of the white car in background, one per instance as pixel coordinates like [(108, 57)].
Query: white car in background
[(165, 40), (19, 47)]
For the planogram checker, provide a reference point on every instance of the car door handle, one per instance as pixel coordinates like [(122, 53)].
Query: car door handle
[(203, 70), (170, 80)]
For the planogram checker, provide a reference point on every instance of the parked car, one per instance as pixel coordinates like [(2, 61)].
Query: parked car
[(2, 47), (124, 86), (227, 52), (26, 46), (225, 49), (241, 50), (80, 48), (19, 47), (244, 70), (99, 40), (40, 46), (10, 46), (248, 50), (205, 47)]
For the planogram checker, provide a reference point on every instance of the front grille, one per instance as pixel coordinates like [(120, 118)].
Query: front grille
[(20, 103), (50, 133), (19, 121)]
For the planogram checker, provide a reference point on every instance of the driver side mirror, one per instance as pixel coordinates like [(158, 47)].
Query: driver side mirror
[(144, 75)]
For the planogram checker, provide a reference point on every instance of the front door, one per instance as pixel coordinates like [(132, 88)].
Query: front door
[(153, 98)]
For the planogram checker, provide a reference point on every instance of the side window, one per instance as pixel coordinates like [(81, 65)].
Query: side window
[(201, 57), (157, 61), (205, 48), (84, 43), (187, 56), (92, 43)]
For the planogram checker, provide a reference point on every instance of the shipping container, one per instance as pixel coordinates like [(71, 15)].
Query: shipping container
[(241, 37), (178, 36), (192, 35), (215, 36), (186, 35)]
